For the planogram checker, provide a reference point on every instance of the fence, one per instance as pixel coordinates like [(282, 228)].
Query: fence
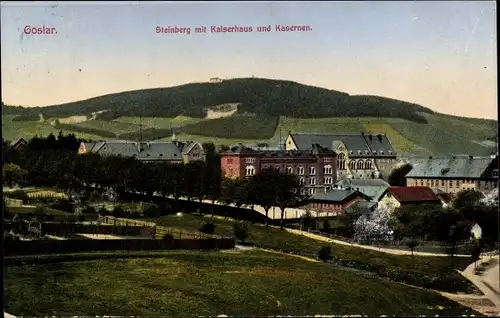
[(159, 231), (75, 246)]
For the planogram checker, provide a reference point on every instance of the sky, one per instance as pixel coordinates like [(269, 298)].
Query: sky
[(441, 55)]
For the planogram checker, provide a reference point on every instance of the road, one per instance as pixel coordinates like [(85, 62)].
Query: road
[(487, 281)]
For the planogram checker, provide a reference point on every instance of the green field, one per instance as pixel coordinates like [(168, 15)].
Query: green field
[(431, 272), (442, 135), (235, 283), (159, 122)]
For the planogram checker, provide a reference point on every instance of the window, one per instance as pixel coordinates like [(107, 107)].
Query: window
[(368, 165), (327, 180), (229, 160), (196, 155), (457, 183), (432, 183), (442, 183), (352, 165), (249, 160), (312, 170), (302, 191), (421, 182), (360, 165), (301, 170), (249, 170), (311, 191), (451, 184), (302, 181), (328, 169), (495, 173), (289, 169), (312, 181), (327, 160)]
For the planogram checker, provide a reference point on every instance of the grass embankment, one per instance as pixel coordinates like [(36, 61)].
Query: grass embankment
[(33, 210), (182, 284), (432, 272)]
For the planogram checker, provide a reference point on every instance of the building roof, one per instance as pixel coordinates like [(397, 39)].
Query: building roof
[(363, 145), (142, 151), (413, 194), (335, 195), (373, 188), (444, 196), (463, 167), (313, 149), (17, 141)]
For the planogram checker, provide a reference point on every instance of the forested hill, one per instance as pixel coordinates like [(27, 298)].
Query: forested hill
[(265, 97)]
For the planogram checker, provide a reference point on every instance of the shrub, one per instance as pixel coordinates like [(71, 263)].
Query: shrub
[(19, 195), (89, 210), (63, 205), (240, 231), (208, 228), (168, 237), (40, 210), (325, 253), (95, 196), (103, 211), (118, 212), (152, 211)]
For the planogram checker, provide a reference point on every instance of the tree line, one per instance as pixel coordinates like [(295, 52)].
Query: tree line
[(53, 161)]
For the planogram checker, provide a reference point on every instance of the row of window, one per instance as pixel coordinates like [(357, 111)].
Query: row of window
[(327, 170), (452, 183)]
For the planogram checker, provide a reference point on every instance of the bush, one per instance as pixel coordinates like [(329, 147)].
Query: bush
[(240, 231), (89, 210), (168, 237), (63, 205), (325, 253), (152, 211), (18, 195), (103, 211), (118, 212), (95, 196), (208, 228)]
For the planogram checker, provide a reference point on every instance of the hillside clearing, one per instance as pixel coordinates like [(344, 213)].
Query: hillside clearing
[(210, 283)]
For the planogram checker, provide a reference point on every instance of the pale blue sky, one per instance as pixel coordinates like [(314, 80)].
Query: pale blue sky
[(439, 54)]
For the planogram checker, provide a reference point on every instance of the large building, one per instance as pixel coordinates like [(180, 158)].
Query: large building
[(453, 174), (359, 156), (175, 151), (316, 167)]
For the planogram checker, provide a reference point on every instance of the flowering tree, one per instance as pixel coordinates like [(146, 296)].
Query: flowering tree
[(491, 198), (374, 225)]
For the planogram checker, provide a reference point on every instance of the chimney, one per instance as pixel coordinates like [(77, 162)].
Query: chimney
[(379, 138), (471, 157), (362, 133), (371, 137)]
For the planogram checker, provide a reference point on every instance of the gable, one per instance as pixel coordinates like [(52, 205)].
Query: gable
[(82, 149), (290, 143)]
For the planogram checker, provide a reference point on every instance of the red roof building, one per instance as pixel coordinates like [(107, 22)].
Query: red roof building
[(413, 195)]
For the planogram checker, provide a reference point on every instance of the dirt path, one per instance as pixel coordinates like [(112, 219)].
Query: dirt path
[(379, 249)]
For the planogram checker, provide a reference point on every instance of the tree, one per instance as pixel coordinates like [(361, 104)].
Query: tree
[(348, 220), (265, 188), (327, 228), (307, 220), (475, 254), (287, 193), (325, 253), (411, 243), (397, 177), (13, 174), (466, 199), (241, 231), (208, 228)]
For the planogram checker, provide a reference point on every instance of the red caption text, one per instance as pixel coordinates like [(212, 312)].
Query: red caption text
[(232, 29)]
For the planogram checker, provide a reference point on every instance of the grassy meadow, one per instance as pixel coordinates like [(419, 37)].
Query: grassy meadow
[(430, 272), (210, 283)]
